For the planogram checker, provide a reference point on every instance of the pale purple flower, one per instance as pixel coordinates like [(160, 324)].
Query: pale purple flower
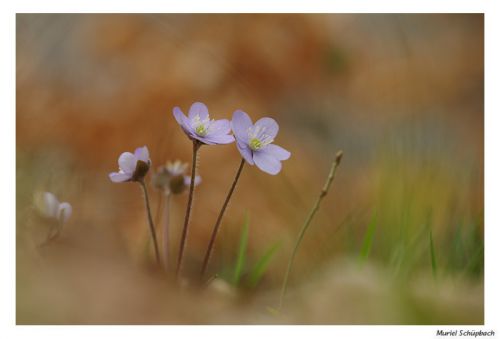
[(132, 167), (254, 141), (50, 207), (198, 126), (171, 177)]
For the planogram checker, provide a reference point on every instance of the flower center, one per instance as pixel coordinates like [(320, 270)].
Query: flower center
[(255, 144), (201, 130), (201, 126), (257, 138)]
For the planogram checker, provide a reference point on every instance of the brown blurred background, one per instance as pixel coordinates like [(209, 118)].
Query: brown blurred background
[(401, 95)]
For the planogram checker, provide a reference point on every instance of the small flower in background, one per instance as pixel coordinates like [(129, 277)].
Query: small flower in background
[(176, 168), (49, 207), (171, 178), (254, 141), (132, 167), (198, 126)]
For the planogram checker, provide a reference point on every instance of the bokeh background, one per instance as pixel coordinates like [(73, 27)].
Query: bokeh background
[(401, 95)]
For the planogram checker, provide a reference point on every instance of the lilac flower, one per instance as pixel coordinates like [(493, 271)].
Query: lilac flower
[(254, 141), (50, 207), (132, 167), (198, 126), (171, 178)]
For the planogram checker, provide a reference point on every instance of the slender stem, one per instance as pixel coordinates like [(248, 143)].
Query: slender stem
[(219, 219), (305, 226), (159, 208), (52, 235), (196, 147), (166, 247), (150, 220)]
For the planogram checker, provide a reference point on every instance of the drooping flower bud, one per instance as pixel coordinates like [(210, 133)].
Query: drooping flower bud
[(49, 207), (132, 167)]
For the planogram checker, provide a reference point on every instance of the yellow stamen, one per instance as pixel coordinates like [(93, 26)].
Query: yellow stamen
[(255, 144), (201, 130)]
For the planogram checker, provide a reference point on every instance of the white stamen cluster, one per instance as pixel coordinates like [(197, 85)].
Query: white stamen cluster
[(201, 127), (257, 137)]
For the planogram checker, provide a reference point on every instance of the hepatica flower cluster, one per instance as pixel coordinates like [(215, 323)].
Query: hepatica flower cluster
[(254, 142)]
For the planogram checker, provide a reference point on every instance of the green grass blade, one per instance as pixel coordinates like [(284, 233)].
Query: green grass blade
[(457, 259), (260, 267), (433, 255), (240, 261), (368, 239)]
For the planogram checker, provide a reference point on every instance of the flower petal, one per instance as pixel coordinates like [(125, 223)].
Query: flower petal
[(64, 212), (218, 139), (245, 152), (218, 127), (50, 205), (178, 115), (197, 180), (183, 121), (198, 109), (203, 140), (240, 124), (270, 125), (276, 151), (120, 176), (187, 180), (127, 162), (142, 153), (267, 163)]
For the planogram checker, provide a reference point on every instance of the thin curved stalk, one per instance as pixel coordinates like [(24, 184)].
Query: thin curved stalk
[(305, 226), (219, 219), (150, 220), (196, 147), (166, 247)]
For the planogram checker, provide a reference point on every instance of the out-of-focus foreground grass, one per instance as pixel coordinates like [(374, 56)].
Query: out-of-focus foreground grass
[(399, 239)]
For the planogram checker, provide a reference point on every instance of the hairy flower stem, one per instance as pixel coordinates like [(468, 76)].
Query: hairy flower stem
[(150, 220), (324, 191), (196, 147), (166, 247), (219, 219)]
